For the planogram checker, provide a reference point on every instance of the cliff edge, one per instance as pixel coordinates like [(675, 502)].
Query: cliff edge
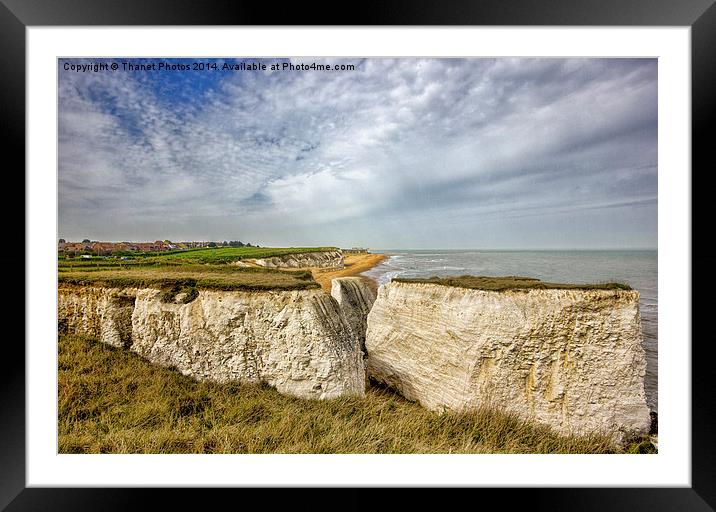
[(355, 299), (318, 259), (569, 358), (294, 340)]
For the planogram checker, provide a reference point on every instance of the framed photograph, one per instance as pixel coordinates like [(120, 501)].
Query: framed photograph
[(423, 248)]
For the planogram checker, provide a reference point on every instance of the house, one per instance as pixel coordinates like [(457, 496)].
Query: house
[(76, 247), (102, 248), (147, 246)]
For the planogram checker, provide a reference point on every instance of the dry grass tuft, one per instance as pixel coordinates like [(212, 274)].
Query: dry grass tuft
[(112, 401), (218, 277), (508, 283)]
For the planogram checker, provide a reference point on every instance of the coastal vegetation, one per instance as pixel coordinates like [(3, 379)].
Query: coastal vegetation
[(185, 275), (229, 254), (209, 267), (509, 283), (214, 255), (113, 401)]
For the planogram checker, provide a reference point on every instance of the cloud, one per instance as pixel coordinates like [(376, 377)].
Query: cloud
[(332, 157)]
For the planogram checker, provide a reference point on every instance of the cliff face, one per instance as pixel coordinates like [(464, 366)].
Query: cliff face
[(297, 341), (355, 299), (572, 359), (105, 313), (324, 259)]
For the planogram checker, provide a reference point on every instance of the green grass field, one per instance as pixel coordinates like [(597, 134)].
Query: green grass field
[(112, 401), (201, 268), (187, 275), (229, 254), (215, 255), (509, 283)]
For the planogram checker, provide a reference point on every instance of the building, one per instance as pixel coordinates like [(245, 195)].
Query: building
[(103, 248)]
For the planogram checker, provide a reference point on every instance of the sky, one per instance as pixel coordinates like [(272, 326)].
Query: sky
[(397, 153)]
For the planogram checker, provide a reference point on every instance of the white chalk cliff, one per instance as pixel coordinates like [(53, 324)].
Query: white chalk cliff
[(318, 259), (572, 359), (296, 341), (569, 358), (355, 299)]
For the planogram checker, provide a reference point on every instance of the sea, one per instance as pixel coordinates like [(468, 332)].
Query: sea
[(635, 268)]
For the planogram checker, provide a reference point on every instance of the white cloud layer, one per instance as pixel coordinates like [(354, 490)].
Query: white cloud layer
[(511, 153)]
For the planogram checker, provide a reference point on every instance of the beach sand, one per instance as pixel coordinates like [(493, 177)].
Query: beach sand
[(354, 265)]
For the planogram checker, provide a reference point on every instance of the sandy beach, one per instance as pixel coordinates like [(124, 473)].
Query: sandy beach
[(354, 265)]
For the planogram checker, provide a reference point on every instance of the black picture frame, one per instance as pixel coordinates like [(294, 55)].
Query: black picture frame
[(700, 15)]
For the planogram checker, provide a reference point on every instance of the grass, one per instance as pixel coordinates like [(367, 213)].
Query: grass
[(509, 283), (64, 265), (229, 254), (201, 255), (217, 277), (112, 401)]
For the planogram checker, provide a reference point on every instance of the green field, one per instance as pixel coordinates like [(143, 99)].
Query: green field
[(216, 255), (229, 254), (185, 276), (195, 268), (509, 283), (112, 401)]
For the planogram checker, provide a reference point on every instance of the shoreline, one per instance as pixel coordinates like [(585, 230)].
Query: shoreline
[(355, 264)]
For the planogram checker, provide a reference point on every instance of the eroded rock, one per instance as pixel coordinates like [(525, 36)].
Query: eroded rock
[(355, 299), (296, 341), (318, 259), (104, 313), (572, 359)]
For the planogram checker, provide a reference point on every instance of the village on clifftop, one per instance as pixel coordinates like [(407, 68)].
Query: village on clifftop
[(87, 246)]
